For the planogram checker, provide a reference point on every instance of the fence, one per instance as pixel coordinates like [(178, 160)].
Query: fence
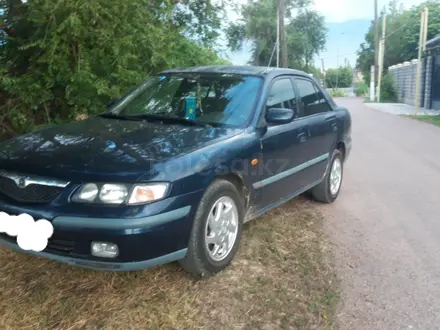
[(405, 76)]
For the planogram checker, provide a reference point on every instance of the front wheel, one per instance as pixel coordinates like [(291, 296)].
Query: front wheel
[(217, 229), (328, 190)]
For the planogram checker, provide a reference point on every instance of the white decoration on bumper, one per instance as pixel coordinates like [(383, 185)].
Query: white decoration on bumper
[(31, 235)]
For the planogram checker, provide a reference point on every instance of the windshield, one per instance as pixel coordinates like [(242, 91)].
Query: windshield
[(222, 99)]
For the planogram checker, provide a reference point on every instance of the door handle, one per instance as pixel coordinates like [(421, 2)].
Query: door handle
[(330, 118), (302, 137), (334, 127)]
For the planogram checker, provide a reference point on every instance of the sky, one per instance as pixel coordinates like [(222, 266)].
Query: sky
[(336, 11), (344, 10)]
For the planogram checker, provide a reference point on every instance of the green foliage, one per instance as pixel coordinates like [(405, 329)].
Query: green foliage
[(337, 93), (305, 33), (308, 34), (342, 77), (71, 57), (200, 19), (361, 89), (427, 118), (402, 45), (315, 72), (388, 91)]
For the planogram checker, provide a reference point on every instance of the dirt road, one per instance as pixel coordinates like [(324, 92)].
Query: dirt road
[(385, 226)]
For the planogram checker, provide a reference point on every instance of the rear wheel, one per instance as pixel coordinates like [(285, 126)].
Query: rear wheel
[(328, 190), (217, 229)]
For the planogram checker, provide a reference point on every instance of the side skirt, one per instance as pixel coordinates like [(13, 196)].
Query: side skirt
[(281, 201)]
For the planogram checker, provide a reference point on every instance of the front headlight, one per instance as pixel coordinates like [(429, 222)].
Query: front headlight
[(116, 193), (113, 193), (145, 193), (87, 193)]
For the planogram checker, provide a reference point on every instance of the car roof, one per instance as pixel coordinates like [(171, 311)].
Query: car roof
[(235, 69)]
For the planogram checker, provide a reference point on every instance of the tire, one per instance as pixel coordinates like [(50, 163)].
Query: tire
[(323, 192), (199, 260)]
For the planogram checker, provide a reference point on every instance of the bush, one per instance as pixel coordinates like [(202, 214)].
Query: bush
[(361, 89), (388, 91), (71, 58), (337, 93), (342, 77)]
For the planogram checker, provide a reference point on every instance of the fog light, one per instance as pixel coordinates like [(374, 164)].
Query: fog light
[(105, 250)]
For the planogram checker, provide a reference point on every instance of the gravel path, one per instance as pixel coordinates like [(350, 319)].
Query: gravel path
[(385, 226)]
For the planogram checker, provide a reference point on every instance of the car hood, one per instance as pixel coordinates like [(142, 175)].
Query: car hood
[(102, 148)]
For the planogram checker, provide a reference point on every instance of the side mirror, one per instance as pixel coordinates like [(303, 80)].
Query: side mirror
[(279, 116)]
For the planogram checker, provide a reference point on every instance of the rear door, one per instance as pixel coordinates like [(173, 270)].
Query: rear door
[(322, 124)]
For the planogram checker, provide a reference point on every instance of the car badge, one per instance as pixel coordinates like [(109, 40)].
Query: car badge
[(21, 182)]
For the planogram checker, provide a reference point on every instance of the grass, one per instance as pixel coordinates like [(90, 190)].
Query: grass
[(429, 119), (337, 93), (281, 278), (361, 89)]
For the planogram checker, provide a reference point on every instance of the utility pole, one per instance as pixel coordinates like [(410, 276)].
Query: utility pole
[(425, 35), (381, 55), (278, 38), (323, 73), (283, 43), (422, 45), (376, 42), (372, 84), (337, 62)]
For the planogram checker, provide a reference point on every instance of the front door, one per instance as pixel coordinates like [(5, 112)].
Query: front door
[(322, 127), (283, 148)]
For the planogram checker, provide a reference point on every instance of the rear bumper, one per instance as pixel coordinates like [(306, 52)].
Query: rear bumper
[(143, 241), (348, 144)]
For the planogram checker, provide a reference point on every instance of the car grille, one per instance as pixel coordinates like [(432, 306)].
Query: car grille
[(61, 246), (33, 193), (54, 245), (30, 189)]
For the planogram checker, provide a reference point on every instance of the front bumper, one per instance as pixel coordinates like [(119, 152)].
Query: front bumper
[(143, 241), (100, 265)]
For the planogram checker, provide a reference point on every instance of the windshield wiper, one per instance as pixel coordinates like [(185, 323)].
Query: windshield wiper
[(121, 117), (164, 119)]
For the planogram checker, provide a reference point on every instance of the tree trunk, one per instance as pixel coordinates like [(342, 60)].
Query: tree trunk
[(283, 44)]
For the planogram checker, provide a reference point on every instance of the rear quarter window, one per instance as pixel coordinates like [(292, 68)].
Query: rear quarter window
[(328, 97)]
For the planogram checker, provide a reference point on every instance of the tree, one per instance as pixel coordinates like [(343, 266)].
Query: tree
[(71, 57), (199, 19), (315, 72), (305, 33), (309, 26), (403, 30), (258, 24), (388, 91), (282, 34), (341, 77)]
